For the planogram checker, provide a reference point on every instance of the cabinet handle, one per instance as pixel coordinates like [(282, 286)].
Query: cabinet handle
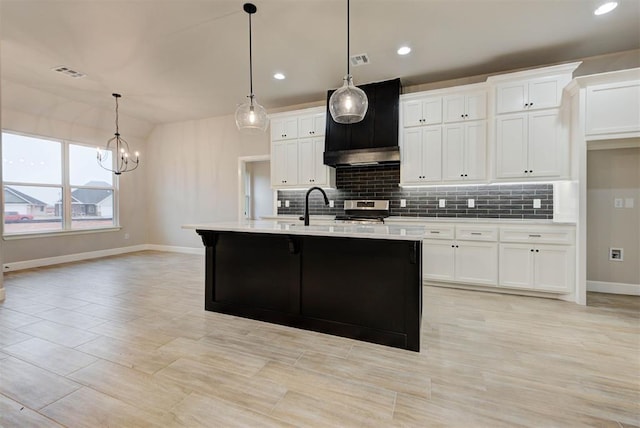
[(535, 236), (476, 233), (537, 251), (530, 104), (453, 246), (457, 246), (532, 250), (466, 175), (434, 231)]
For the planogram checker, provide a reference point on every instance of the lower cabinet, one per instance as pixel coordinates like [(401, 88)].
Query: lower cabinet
[(533, 258), (537, 267), (460, 261)]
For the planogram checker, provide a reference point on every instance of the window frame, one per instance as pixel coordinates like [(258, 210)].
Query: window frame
[(66, 187)]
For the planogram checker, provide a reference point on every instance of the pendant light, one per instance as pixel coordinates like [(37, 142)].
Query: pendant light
[(251, 117), (119, 148), (349, 103)]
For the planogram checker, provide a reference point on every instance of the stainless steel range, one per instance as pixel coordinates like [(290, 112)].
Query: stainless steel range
[(364, 211)]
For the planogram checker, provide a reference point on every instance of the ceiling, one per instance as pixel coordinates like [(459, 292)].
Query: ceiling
[(188, 59)]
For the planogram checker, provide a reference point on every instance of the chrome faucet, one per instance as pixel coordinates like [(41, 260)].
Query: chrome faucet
[(306, 204)]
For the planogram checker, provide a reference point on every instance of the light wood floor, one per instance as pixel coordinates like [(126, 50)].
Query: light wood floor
[(124, 341)]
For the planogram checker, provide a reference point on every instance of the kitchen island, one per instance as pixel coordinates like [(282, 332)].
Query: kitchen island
[(361, 282)]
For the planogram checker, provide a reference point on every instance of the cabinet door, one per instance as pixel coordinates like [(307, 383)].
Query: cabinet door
[(284, 128), (511, 142), (516, 265), (306, 156), (613, 108), (454, 108), (432, 111), (554, 268), (292, 163), (453, 153), (438, 260), (411, 155), (432, 153), (476, 262), (412, 113), (545, 151), (545, 92), (311, 125), (511, 97), (278, 164), (321, 171), (475, 148), (476, 106)]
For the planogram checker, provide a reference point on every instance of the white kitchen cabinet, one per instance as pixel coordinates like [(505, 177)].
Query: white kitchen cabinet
[(311, 125), (613, 110), (284, 163), (422, 111), (537, 267), (284, 128), (468, 262), (465, 106), (531, 145), (464, 148), (312, 170), (530, 94), (421, 155)]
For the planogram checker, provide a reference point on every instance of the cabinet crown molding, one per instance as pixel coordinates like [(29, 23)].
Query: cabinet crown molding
[(535, 72)]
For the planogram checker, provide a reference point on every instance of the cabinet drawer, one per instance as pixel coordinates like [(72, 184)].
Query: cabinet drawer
[(542, 236), (476, 233), (439, 231)]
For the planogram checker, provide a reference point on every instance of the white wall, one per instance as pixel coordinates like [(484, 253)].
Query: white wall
[(193, 176), (133, 193), (261, 192)]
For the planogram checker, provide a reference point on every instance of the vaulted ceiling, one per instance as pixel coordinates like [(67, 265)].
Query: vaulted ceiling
[(176, 60)]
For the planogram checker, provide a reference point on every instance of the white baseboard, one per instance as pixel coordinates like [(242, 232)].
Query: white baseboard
[(614, 288), (29, 264), (174, 249)]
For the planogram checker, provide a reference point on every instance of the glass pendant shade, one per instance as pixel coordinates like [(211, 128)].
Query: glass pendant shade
[(349, 103), (251, 117)]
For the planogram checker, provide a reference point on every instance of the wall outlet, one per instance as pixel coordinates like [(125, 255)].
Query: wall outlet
[(331, 204), (442, 203), (618, 203), (286, 204), (471, 203), (537, 203), (403, 203), (126, 235), (616, 254), (629, 202), (279, 204)]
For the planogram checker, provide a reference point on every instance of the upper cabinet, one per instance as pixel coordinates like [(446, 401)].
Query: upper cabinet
[(532, 89), (529, 133), (465, 106), (613, 110), (443, 136), (422, 111), (297, 147)]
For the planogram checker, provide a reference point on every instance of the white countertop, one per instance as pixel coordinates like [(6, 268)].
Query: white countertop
[(326, 219), (387, 231)]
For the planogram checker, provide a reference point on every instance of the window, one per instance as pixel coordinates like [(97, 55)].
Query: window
[(52, 186)]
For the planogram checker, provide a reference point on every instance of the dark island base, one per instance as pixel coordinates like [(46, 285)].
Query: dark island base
[(365, 289)]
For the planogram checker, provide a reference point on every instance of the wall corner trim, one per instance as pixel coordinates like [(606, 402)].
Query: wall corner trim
[(613, 288)]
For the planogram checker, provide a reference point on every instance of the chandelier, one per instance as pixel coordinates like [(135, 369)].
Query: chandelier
[(118, 146)]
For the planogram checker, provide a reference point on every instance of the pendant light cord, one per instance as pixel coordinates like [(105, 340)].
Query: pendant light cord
[(117, 127), (348, 32), (250, 63)]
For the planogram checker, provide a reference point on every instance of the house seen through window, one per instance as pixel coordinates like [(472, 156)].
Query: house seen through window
[(54, 186)]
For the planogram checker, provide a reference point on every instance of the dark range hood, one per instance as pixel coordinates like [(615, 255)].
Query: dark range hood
[(374, 140)]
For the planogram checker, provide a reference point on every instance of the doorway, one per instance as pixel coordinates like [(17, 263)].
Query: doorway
[(256, 199)]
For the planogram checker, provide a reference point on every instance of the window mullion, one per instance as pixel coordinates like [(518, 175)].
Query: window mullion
[(66, 188)]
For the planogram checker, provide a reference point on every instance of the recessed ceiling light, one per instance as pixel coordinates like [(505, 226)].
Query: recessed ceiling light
[(605, 8), (279, 76), (404, 50)]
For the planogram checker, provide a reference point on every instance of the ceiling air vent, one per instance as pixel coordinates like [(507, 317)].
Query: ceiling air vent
[(68, 72), (359, 59)]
